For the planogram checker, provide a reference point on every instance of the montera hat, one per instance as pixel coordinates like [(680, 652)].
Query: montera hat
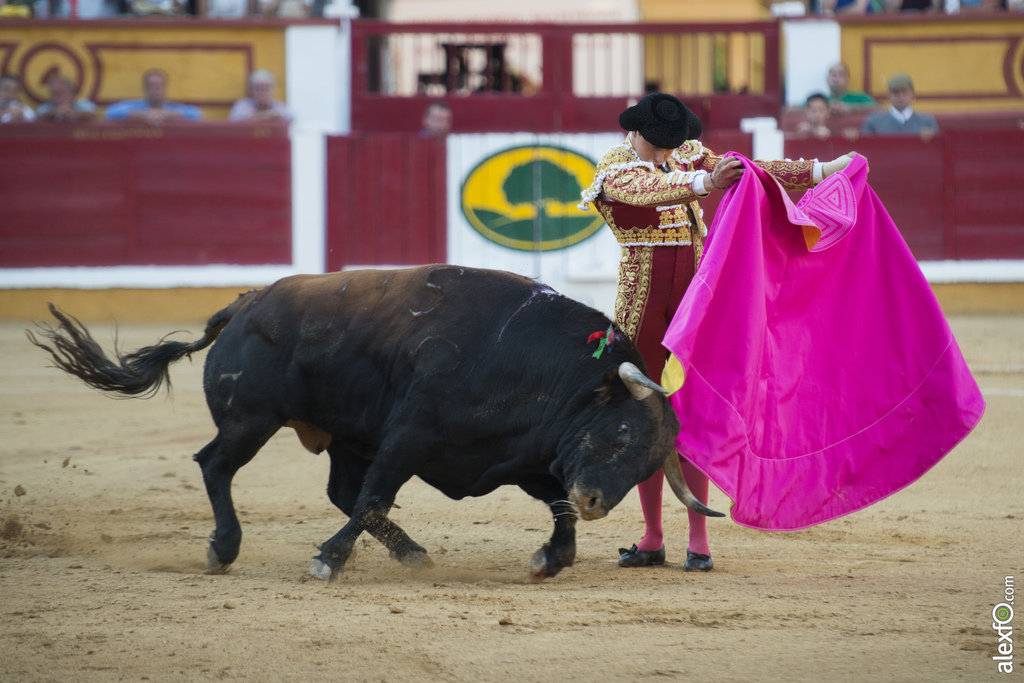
[(663, 120)]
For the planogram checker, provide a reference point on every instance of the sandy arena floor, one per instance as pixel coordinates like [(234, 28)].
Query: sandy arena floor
[(104, 520)]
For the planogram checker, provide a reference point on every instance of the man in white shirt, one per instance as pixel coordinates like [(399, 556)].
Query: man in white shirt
[(260, 104)]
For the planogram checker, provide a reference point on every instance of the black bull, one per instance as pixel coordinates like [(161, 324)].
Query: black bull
[(469, 379)]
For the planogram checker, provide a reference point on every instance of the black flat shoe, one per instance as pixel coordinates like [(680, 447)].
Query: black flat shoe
[(634, 557), (696, 562)]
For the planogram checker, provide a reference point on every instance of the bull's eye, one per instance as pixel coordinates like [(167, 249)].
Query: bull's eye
[(624, 435)]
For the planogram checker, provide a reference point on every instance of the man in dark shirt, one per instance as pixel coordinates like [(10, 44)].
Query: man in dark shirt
[(900, 118)]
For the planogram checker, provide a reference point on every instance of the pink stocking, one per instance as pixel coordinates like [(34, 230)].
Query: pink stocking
[(698, 483), (650, 503)]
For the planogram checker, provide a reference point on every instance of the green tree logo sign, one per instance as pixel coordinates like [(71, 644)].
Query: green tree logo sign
[(525, 198)]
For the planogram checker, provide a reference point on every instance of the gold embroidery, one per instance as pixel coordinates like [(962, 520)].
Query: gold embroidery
[(675, 225), (609, 218), (622, 176), (698, 250), (792, 175), (641, 187), (634, 287), (690, 148), (673, 216)]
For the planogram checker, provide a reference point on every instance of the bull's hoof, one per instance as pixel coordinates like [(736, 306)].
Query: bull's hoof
[(413, 558), (540, 569), (323, 571), (548, 560), (213, 563)]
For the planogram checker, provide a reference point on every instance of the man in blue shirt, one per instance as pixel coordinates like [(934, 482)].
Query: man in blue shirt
[(155, 108)]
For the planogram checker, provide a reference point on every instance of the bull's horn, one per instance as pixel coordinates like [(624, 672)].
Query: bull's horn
[(639, 384), (674, 475)]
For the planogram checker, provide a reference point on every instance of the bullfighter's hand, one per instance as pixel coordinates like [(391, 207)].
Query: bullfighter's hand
[(830, 167), (726, 173)]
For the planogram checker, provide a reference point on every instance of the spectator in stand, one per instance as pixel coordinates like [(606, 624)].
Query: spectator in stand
[(154, 107), (63, 107), (16, 9), (816, 125), (437, 120), (260, 104), (226, 9), (89, 9), (917, 5), (900, 118), (841, 99), (149, 8), (12, 110), (291, 9), (830, 7), (990, 5)]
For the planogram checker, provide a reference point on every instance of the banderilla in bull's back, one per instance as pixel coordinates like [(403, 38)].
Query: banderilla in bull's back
[(470, 379)]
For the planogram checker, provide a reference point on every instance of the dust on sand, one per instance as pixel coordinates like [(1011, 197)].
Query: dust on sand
[(104, 524)]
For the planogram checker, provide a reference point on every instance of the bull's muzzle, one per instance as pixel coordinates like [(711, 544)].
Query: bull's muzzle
[(589, 504), (674, 475)]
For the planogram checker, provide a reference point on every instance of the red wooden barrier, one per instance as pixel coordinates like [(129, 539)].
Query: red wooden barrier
[(906, 174), (106, 195), (386, 200), (195, 195), (956, 196), (987, 206)]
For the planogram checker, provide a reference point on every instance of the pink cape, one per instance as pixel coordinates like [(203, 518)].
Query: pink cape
[(820, 373)]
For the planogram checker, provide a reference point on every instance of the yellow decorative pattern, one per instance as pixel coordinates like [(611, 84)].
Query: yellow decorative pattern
[(642, 187), (792, 175), (673, 216), (208, 62), (634, 286), (698, 250)]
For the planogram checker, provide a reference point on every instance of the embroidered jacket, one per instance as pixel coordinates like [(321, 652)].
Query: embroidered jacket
[(647, 206)]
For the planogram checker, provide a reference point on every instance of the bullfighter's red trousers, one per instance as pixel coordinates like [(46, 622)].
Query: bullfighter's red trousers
[(672, 270)]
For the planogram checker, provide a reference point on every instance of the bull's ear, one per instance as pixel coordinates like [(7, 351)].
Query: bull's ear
[(612, 389)]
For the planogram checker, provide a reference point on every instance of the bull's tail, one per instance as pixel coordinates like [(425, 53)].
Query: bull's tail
[(137, 374)]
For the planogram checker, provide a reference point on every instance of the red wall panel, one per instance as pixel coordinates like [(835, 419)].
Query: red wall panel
[(64, 203), (386, 200), (223, 195), (956, 196), (174, 199), (907, 175), (989, 198)]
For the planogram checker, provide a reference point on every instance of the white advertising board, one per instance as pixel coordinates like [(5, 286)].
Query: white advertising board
[(512, 206)]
